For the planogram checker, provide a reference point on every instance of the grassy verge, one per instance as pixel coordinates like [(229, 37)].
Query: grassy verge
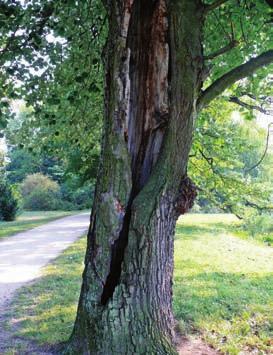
[(223, 285), (29, 220), (223, 289)]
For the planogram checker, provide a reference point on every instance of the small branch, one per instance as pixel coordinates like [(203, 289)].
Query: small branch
[(265, 151), (222, 50), (240, 72), (249, 95), (239, 102), (259, 208), (209, 160), (214, 5), (218, 19), (267, 100)]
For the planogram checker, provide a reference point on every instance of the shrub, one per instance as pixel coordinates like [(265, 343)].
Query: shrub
[(259, 224), (40, 193), (41, 200), (8, 202)]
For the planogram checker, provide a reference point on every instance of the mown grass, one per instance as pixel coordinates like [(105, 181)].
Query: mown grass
[(29, 220), (223, 285), (223, 289)]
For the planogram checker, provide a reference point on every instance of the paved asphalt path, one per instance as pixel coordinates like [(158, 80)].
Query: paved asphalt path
[(23, 255)]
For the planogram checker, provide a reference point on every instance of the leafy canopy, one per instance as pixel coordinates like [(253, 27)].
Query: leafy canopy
[(51, 56)]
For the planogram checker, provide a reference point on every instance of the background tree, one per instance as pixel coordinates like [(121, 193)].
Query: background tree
[(40, 193), (8, 201), (229, 160)]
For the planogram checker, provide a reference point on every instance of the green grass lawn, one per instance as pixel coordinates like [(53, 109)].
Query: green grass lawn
[(223, 289), (29, 220), (223, 285)]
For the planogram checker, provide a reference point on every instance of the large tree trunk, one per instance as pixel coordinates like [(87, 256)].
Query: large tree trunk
[(153, 75)]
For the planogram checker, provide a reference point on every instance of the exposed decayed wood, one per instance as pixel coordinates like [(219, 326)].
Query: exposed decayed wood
[(148, 112)]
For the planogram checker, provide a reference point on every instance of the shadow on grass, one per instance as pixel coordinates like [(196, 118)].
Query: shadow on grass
[(50, 304), (190, 231)]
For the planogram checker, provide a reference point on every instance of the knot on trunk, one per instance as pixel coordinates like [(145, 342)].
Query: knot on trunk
[(186, 196)]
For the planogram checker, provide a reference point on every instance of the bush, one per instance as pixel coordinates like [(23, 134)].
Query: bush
[(41, 200), (40, 193), (259, 224), (8, 202)]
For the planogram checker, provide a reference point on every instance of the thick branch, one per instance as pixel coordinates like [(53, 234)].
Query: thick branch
[(240, 72), (214, 5), (222, 50)]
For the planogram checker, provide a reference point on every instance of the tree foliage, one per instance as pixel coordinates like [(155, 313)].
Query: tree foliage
[(63, 83), (224, 157), (8, 202), (66, 41)]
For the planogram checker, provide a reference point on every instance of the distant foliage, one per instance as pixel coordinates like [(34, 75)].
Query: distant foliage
[(77, 197), (223, 162), (23, 162), (8, 202), (39, 192)]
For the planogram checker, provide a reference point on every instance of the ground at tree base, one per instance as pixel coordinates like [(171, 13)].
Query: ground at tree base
[(14, 345), (195, 346)]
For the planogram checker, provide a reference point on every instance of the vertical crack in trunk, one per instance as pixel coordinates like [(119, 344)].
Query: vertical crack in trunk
[(117, 257), (148, 111)]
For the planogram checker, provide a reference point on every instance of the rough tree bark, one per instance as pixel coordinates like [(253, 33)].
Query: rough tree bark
[(153, 75), (154, 70)]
